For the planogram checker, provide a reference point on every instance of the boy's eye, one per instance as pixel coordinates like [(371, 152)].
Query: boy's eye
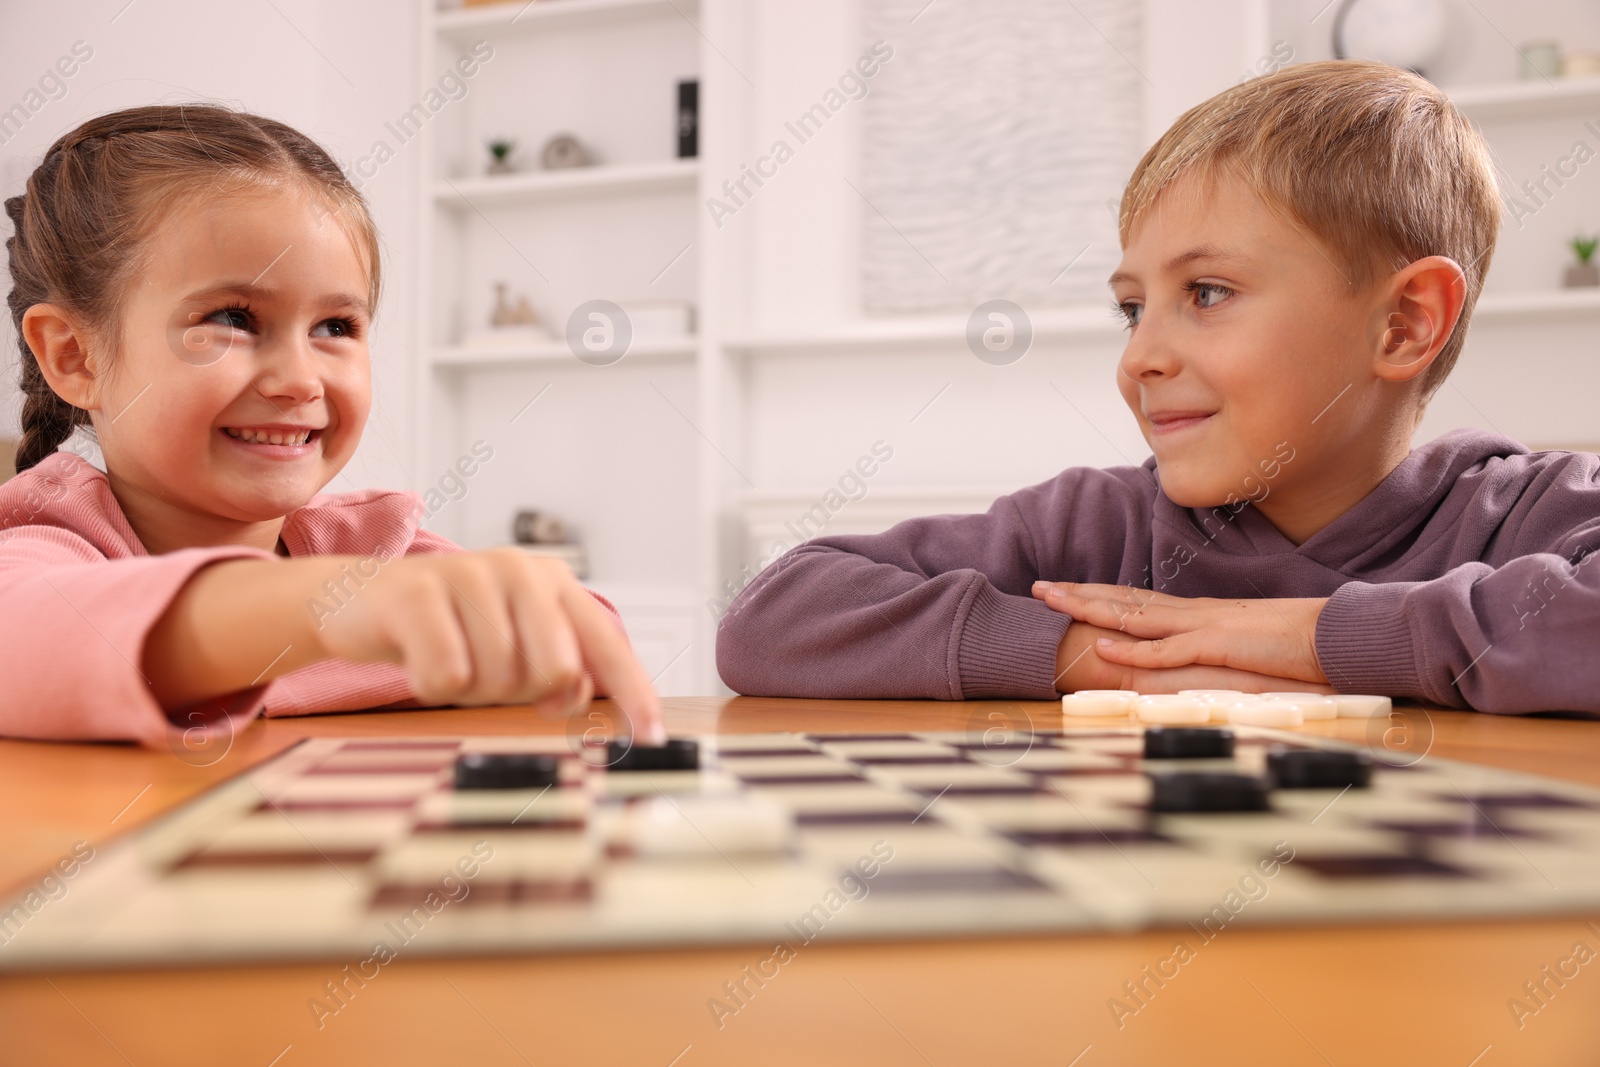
[(1131, 313), (1209, 294)]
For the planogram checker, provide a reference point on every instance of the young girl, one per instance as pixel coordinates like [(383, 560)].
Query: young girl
[(197, 285)]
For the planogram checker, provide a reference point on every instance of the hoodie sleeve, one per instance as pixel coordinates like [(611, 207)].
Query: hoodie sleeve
[(937, 607), (1513, 632), (1520, 637), (74, 627)]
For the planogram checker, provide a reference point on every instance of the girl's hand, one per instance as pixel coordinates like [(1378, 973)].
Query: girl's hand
[(494, 627), (1130, 638)]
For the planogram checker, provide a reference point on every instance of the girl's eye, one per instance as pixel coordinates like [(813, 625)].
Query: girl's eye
[(1131, 313), (233, 318), (335, 328), (1209, 294)]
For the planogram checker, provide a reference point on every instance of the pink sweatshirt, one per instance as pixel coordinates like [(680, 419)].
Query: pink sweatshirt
[(79, 593)]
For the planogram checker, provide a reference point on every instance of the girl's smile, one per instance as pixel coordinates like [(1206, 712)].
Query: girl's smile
[(275, 442)]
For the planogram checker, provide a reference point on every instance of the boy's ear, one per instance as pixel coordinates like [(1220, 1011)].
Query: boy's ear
[(1422, 305), (61, 347)]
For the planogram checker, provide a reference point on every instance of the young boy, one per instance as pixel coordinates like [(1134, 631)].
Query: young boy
[(1301, 255)]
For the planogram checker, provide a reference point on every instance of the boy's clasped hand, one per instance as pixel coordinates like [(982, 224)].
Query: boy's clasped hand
[(1166, 643)]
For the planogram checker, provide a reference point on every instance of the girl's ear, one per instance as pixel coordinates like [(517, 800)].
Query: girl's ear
[(62, 349)]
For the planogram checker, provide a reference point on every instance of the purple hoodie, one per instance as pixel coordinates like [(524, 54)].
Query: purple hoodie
[(1462, 580)]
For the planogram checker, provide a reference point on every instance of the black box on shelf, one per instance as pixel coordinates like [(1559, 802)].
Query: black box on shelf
[(688, 119)]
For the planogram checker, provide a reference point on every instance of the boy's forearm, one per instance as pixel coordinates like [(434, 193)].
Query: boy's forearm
[(236, 624), (828, 623)]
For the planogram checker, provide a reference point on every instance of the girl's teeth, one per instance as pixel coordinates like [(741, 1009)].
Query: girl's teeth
[(262, 437)]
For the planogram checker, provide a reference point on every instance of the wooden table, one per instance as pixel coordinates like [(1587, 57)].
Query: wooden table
[(1413, 995)]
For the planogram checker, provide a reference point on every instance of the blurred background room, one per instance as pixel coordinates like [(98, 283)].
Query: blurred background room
[(672, 285)]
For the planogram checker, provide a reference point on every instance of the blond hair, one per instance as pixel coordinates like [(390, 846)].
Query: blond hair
[(1373, 161)]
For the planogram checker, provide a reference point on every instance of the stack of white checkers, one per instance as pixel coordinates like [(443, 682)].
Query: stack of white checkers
[(1193, 707)]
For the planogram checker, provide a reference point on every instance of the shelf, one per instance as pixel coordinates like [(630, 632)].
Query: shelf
[(1090, 323), (1087, 322), (464, 25), (532, 186), (1546, 302), (1527, 99), (513, 357)]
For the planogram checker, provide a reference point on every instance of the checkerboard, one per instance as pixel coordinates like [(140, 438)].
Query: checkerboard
[(340, 844)]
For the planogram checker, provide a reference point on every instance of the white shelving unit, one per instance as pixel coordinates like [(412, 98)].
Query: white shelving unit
[(514, 356), (565, 434), (1511, 113), (1092, 321), (1565, 302), (1528, 99), (464, 194), (463, 25)]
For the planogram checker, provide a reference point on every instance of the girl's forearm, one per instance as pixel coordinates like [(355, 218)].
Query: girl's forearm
[(237, 624)]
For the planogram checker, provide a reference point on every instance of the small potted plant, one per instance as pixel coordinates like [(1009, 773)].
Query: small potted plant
[(500, 150), (1585, 271)]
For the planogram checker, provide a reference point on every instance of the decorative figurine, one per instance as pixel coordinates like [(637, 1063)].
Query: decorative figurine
[(541, 534), (538, 528), (507, 315), (563, 151)]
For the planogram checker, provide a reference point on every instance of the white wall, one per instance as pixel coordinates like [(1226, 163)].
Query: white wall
[(334, 71), (807, 415)]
